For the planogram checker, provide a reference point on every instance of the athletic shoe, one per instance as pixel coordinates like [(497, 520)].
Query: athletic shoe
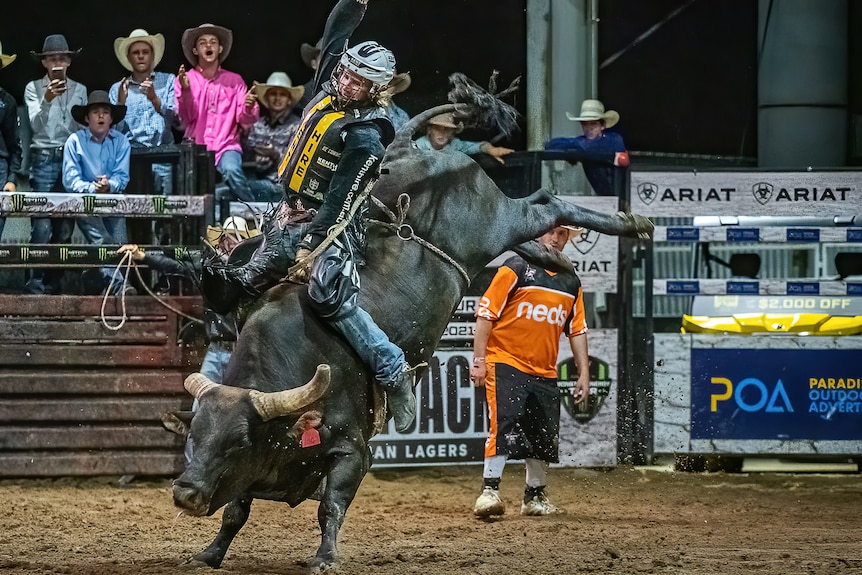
[(540, 505), (489, 503)]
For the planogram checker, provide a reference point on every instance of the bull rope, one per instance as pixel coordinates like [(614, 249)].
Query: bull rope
[(131, 264), (405, 233), (127, 260), (332, 233)]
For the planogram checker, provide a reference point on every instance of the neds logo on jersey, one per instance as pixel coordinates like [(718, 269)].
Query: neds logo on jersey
[(541, 313)]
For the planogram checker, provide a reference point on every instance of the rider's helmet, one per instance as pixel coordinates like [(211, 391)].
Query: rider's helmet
[(369, 60)]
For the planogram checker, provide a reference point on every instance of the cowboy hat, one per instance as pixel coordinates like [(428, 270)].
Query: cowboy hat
[(54, 44), (446, 120), (592, 110), (278, 80), (118, 112), (121, 46), (399, 84), (233, 225), (6, 59), (191, 35), (573, 232), (308, 52)]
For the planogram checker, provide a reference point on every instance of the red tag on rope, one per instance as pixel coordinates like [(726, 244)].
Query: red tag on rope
[(310, 438)]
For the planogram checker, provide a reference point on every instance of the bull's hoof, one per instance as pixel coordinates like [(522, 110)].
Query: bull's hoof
[(642, 226), (174, 424), (319, 567), (192, 564), (204, 559)]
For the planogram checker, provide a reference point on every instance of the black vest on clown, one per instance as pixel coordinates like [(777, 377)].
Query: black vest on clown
[(313, 155)]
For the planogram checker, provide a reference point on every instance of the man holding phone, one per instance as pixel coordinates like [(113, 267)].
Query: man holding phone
[(151, 110), (49, 102)]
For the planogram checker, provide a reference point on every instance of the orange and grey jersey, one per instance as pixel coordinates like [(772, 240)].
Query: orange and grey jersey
[(531, 308)]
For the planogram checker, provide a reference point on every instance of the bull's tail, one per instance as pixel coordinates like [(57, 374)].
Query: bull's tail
[(473, 107)]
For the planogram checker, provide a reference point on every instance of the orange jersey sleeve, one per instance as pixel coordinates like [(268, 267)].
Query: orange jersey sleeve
[(530, 308)]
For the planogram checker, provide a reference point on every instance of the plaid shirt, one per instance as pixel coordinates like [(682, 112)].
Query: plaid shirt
[(265, 131), (142, 124)]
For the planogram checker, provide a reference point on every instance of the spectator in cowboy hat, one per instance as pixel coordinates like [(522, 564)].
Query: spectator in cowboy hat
[(268, 139), (151, 110), (10, 144), (397, 115), (440, 135), (96, 161), (214, 104), (311, 57), (605, 150), (49, 101)]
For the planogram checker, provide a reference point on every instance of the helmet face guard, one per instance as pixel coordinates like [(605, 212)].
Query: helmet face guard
[(368, 60)]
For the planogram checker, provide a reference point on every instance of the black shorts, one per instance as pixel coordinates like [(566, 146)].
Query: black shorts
[(524, 413)]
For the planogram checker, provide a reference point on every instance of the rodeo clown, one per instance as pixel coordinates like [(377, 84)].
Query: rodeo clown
[(328, 172)]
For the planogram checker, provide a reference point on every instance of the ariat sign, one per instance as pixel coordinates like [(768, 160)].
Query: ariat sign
[(687, 194)]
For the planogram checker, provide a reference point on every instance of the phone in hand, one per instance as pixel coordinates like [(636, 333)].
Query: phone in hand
[(58, 73)]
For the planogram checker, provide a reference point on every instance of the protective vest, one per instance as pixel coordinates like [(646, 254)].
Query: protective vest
[(313, 155)]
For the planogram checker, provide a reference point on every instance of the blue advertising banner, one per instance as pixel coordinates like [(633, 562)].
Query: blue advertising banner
[(783, 394)]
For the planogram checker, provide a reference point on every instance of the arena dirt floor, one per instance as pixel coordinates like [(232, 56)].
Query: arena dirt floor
[(619, 521)]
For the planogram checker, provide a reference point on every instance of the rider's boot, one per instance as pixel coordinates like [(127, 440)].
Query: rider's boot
[(401, 398)]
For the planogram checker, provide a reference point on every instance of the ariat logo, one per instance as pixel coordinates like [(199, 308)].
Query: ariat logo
[(586, 240), (762, 192), (647, 192)]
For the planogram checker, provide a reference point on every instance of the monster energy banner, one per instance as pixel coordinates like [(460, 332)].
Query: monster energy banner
[(12, 255), (452, 421), (687, 194), (29, 203)]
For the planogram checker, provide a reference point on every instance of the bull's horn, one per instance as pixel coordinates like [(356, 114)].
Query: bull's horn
[(198, 384), (279, 403)]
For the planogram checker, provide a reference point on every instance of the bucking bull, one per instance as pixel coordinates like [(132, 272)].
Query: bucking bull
[(436, 221)]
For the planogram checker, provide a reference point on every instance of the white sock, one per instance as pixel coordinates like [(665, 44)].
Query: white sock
[(537, 472), (494, 467)]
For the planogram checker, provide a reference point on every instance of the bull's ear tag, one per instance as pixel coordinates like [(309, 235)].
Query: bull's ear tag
[(310, 438)]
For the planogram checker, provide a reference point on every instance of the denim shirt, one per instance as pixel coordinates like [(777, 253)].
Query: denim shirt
[(143, 125), (84, 159)]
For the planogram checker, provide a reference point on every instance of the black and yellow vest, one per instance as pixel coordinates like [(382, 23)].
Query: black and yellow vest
[(313, 155)]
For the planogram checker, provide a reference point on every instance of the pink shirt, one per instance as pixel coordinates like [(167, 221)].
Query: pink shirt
[(213, 111)]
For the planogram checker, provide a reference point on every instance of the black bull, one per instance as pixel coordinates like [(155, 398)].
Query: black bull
[(247, 443)]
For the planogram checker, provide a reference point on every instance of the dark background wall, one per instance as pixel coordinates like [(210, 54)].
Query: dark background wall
[(430, 39), (688, 87)]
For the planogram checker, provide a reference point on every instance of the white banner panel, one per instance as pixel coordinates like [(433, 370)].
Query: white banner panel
[(30, 203), (695, 193), (452, 421)]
